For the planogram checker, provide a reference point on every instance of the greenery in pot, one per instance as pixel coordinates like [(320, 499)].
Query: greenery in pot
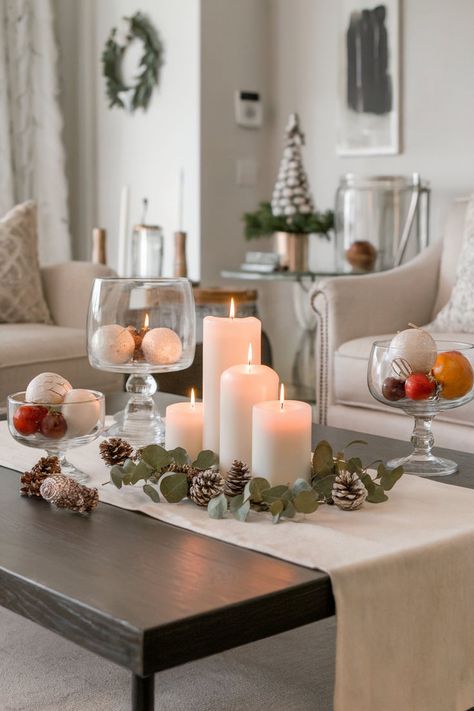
[(263, 223)]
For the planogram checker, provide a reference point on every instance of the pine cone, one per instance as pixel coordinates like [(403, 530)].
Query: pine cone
[(205, 486), (187, 469), (348, 492), (115, 451), (66, 493), (237, 477), (31, 481)]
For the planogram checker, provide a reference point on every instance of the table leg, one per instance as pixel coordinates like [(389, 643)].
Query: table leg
[(143, 693)]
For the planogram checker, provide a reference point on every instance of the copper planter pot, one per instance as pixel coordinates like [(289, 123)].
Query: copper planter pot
[(293, 250)]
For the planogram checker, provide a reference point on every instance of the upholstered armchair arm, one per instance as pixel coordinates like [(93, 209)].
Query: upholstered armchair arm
[(67, 290), (355, 306)]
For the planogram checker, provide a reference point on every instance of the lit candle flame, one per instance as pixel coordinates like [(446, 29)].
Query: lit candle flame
[(282, 396), (146, 322), (250, 355), (193, 398), (232, 309)]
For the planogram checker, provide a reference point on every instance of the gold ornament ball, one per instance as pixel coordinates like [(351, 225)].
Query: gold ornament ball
[(162, 346), (113, 344)]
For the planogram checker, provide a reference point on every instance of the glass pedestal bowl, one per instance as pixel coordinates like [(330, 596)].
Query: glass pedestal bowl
[(57, 428), (139, 327), (452, 388)]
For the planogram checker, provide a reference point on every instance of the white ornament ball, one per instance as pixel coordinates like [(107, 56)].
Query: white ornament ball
[(290, 210), (162, 346), (292, 182), (305, 209), (287, 192), (81, 410), (113, 344), (47, 388), (416, 346)]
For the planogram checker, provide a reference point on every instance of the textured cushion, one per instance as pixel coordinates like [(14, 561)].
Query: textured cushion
[(350, 377), (21, 295), (29, 349), (458, 313)]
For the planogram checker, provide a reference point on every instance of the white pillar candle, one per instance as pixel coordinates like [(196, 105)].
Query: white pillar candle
[(242, 386), (184, 426), (225, 343), (122, 248), (281, 440)]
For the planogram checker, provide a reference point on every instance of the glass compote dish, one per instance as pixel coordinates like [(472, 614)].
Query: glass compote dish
[(57, 428), (140, 327), (423, 377)]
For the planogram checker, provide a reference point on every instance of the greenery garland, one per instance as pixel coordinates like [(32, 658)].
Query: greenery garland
[(263, 222), (151, 61), (155, 469)]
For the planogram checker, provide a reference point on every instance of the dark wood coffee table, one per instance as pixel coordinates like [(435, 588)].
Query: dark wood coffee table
[(148, 595)]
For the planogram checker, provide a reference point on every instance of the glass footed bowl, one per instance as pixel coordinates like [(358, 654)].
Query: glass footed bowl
[(57, 428), (452, 389)]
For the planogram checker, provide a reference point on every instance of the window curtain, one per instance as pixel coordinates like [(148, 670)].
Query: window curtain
[(31, 148)]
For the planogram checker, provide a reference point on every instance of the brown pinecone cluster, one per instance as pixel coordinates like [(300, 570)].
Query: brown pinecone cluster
[(31, 481), (115, 450), (206, 485), (65, 493), (237, 477)]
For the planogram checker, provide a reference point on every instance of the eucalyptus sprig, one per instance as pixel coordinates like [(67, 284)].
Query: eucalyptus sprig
[(263, 222)]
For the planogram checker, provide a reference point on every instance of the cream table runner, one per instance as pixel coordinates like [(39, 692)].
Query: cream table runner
[(402, 574)]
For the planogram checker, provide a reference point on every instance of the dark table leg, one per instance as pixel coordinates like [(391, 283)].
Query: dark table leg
[(143, 693)]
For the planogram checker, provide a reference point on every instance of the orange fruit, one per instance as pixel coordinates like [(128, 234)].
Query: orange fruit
[(454, 373)]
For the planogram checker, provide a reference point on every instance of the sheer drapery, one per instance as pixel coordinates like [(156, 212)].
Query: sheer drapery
[(31, 147)]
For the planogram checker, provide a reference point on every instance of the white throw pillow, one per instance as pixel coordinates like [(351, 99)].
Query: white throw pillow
[(21, 293), (458, 314)]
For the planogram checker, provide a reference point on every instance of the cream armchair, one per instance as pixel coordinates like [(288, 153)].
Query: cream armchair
[(27, 349), (354, 311)]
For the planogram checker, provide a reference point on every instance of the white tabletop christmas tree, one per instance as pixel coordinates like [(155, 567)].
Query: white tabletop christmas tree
[(291, 194)]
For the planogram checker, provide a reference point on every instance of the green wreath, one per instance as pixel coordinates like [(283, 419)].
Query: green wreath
[(141, 28)]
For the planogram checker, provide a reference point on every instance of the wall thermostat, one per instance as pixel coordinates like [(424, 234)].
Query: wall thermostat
[(248, 109)]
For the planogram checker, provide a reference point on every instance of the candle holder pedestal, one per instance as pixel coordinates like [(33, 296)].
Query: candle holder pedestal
[(140, 422)]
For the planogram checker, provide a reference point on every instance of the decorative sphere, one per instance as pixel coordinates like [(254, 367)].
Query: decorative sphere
[(162, 346), (113, 344), (362, 255), (416, 346), (81, 410), (48, 388)]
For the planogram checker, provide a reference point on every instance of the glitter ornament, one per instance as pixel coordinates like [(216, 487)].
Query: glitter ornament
[(162, 346), (81, 410), (47, 388), (113, 344)]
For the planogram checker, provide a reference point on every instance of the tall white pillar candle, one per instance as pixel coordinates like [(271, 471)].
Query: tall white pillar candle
[(281, 441), (123, 231), (225, 343), (184, 426), (242, 386)]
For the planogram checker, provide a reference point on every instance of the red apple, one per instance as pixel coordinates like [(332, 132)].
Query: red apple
[(419, 386)]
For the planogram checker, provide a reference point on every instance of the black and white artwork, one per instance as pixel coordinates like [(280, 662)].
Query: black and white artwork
[(368, 111)]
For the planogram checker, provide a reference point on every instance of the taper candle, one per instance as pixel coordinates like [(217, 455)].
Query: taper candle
[(184, 426), (225, 343), (242, 386)]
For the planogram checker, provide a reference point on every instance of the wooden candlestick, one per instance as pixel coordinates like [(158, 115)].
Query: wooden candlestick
[(180, 267), (99, 238)]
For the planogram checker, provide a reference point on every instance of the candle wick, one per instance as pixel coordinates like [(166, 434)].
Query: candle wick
[(281, 405)]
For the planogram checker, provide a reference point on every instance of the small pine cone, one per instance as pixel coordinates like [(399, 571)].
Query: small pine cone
[(348, 492), (205, 486), (237, 477), (115, 451), (187, 469), (66, 493), (31, 481)]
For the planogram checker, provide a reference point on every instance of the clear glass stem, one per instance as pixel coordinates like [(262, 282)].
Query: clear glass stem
[(422, 461), (67, 468), (141, 423), (422, 436)]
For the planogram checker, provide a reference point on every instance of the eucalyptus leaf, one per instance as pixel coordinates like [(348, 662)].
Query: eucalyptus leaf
[(179, 456), (323, 461), (174, 487), (141, 471), (236, 502), (306, 502), (369, 483), (323, 487), (152, 493), (355, 441), (156, 457), (300, 485), (206, 459), (116, 475), (276, 507), (354, 464), (390, 478), (217, 507), (242, 512), (275, 493), (255, 487), (377, 496), (380, 470), (289, 511)]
